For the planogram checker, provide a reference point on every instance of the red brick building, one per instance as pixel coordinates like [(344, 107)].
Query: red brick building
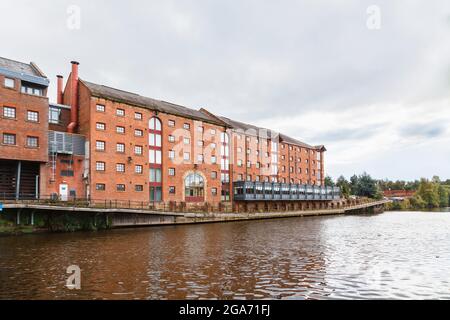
[(101, 143)]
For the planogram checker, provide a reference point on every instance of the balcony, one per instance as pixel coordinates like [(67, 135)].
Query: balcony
[(65, 143), (265, 191)]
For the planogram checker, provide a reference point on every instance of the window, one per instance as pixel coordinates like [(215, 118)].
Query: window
[(186, 140), (138, 133), (155, 175), (200, 143), (171, 138), (139, 188), (155, 156), (120, 167), (171, 123), (9, 83), (186, 156), (67, 173), (54, 115), (100, 187), (9, 138), (213, 132), (239, 149), (200, 158), (100, 126), (120, 112), (249, 164), (172, 190), (224, 137), (120, 187), (138, 116), (214, 192), (138, 150), (32, 142), (200, 129), (100, 108), (249, 151), (9, 112), (31, 90), (172, 172), (100, 166), (194, 187), (258, 165), (100, 145), (120, 147), (249, 178), (33, 116), (186, 126), (213, 174), (155, 124), (155, 194), (240, 177), (171, 154), (213, 145), (138, 169), (225, 177), (154, 140), (213, 159), (120, 129)]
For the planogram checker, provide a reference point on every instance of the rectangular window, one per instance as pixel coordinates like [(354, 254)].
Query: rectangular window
[(100, 166), (186, 156), (213, 145), (138, 169), (200, 143), (186, 140), (213, 174), (138, 116), (213, 160), (120, 130), (138, 150), (171, 123), (239, 163), (120, 112), (9, 138), (100, 145), (155, 156), (171, 138), (187, 126), (9, 83), (31, 90), (32, 142), (213, 132), (171, 154), (120, 167), (100, 187), (120, 147), (214, 192), (139, 188), (54, 115), (200, 129), (154, 140), (100, 108), (172, 190), (120, 187), (138, 133), (33, 116), (200, 158), (172, 172), (67, 173), (100, 126), (249, 164), (155, 175), (9, 112)]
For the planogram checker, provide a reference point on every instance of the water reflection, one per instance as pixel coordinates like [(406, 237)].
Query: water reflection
[(392, 255)]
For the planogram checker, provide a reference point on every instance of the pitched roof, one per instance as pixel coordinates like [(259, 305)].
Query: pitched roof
[(134, 99), (20, 67)]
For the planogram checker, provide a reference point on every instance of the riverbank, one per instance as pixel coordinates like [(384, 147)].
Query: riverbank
[(33, 218)]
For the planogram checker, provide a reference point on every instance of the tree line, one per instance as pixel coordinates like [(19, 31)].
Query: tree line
[(432, 193)]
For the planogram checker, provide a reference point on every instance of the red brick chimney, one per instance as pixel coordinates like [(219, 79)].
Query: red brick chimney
[(59, 92), (74, 99)]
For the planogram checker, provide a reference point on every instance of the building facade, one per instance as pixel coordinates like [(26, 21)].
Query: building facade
[(101, 143)]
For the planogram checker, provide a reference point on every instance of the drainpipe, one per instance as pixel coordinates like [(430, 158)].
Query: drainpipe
[(19, 170), (74, 99), (59, 92)]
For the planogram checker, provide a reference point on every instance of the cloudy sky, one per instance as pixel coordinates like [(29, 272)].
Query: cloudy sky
[(370, 83)]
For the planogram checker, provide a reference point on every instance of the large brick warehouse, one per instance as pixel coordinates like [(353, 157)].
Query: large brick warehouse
[(101, 143)]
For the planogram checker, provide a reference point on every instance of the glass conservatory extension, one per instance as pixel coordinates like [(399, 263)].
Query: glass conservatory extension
[(265, 191)]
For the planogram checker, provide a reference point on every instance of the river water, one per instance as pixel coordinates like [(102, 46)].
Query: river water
[(394, 255)]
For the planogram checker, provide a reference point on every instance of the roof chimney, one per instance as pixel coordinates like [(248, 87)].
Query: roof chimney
[(74, 98), (59, 90)]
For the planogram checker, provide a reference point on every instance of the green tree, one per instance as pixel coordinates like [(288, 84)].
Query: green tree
[(443, 196), (429, 192), (329, 182), (344, 185)]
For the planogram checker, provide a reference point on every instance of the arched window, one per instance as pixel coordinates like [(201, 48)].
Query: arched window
[(155, 124), (194, 187)]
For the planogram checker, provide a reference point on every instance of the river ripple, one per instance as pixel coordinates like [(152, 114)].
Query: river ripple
[(395, 255)]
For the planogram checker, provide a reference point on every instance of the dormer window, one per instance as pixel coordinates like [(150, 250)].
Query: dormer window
[(29, 88)]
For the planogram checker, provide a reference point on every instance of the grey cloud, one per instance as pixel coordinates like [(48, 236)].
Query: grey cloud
[(425, 131)]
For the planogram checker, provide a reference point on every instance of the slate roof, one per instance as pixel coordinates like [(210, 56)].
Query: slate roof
[(20, 67), (134, 99)]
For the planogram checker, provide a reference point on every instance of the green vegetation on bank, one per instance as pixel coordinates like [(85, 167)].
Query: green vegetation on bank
[(428, 194)]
